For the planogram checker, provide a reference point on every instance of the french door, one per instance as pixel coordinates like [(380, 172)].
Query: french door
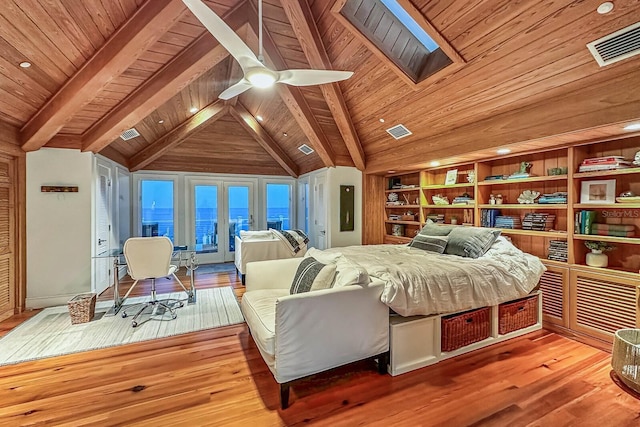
[(239, 213)]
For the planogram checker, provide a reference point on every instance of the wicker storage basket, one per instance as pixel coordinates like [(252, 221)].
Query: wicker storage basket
[(465, 328), (82, 308), (625, 360), (517, 314)]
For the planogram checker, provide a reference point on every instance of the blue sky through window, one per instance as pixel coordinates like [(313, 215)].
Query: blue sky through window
[(411, 25)]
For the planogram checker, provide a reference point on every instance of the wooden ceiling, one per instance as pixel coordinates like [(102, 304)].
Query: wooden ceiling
[(522, 77)]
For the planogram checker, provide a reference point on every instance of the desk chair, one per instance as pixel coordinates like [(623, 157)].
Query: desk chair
[(150, 258)]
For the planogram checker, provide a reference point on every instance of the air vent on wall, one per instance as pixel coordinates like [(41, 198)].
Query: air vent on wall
[(129, 134), (399, 131), (305, 149), (617, 46)]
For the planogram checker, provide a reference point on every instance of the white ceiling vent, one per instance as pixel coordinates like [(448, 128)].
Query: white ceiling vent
[(129, 134), (305, 149), (399, 131), (617, 46)]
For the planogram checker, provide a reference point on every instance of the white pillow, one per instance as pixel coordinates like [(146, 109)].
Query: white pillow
[(256, 235), (349, 273), (324, 257)]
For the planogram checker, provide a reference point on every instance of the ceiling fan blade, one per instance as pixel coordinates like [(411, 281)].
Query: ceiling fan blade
[(222, 32), (312, 77), (235, 90)]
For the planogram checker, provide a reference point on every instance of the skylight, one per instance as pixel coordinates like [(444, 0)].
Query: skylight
[(415, 29)]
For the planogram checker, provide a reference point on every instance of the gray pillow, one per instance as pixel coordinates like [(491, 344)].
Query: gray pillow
[(429, 243), (436, 230), (312, 275), (471, 242)]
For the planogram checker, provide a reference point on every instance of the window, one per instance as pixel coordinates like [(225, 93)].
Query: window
[(397, 32), (279, 206), (157, 208)]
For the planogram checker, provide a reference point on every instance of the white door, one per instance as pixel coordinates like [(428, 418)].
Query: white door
[(239, 215), (102, 265), (303, 205), (205, 213), (319, 225)]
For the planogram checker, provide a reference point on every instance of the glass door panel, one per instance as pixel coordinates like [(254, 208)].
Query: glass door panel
[(206, 218), (239, 213), (157, 208), (279, 206)]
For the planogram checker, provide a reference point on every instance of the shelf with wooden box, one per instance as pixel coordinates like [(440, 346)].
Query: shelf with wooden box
[(456, 186), (402, 208)]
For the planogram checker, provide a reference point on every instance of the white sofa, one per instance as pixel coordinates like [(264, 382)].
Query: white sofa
[(260, 246), (302, 334)]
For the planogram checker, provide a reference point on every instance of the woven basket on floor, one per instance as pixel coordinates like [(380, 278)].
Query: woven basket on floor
[(82, 308), (465, 328), (625, 359), (517, 314)]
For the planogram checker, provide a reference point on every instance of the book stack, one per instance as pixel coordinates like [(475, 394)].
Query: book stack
[(538, 221), (395, 217), (463, 200), (559, 197), (438, 218), (558, 250), (488, 217), (617, 230), (508, 221), (583, 221), (604, 163)]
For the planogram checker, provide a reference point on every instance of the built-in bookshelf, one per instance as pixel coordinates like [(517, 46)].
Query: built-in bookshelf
[(497, 184)]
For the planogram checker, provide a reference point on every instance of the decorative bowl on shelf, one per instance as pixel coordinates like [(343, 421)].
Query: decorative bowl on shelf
[(528, 197)]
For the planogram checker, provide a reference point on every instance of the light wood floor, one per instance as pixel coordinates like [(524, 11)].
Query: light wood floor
[(217, 377)]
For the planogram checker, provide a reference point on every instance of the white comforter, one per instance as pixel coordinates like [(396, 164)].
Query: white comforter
[(422, 283)]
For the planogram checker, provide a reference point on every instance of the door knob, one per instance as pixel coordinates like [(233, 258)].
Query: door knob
[(101, 241)]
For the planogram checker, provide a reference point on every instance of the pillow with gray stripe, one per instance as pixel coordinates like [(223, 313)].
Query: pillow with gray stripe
[(435, 244), (312, 275)]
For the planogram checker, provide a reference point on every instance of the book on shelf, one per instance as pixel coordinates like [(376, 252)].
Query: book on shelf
[(583, 221), (508, 221), (604, 159), (605, 166), (557, 250), (488, 217)]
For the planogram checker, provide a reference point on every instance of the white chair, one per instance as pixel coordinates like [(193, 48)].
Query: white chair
[(150, 258)]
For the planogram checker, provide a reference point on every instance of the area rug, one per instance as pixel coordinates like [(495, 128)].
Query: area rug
[(50, 332), (226, 267)]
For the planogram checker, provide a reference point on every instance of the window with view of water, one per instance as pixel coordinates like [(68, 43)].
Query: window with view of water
[(206, 218), (157, 208), (279, 206)]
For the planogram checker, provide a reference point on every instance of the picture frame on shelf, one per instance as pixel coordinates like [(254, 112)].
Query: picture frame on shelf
[(452, 177), (598, 192)]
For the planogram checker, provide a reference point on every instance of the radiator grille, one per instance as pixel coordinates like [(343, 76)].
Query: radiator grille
[(5, 283), (551, 285), (605, 305)]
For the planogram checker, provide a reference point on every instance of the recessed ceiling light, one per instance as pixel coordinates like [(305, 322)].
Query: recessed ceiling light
[(391, 171), (435, 163), (259, 118), (161, 121), (194, 109), (25, 64), (633, 126), (285, 134), (381, 120), (605, 7), (503, 151)]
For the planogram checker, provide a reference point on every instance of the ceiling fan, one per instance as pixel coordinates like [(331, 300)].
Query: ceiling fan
[(256, 74)]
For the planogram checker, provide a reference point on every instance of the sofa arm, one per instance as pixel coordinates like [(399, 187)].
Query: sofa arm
[(272, 274), (323, 329)]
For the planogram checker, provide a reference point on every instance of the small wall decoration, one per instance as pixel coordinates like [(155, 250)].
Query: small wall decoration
[(598, 192), (59, 189), (347, 208), (452, 177)]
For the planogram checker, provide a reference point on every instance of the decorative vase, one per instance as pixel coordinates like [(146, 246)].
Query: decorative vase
[(597, 259)]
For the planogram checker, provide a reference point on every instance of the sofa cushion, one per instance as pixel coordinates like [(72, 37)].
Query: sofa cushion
[(312, 275), (259, 309)]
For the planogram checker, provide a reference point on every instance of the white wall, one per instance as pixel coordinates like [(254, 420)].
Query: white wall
[(58, 226)]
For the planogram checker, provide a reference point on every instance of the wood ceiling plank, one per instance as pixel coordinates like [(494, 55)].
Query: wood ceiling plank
[(252, 126), (119, 53), (203, 54), (301, 19), (297, 103), (204, 117), (77, 10)]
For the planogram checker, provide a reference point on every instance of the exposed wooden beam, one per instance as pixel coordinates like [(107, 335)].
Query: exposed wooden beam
[(204, 53), (304, 26), (65, 141), (143, 29), (295, 100), (251, 125), (206, 116), (115, 155)]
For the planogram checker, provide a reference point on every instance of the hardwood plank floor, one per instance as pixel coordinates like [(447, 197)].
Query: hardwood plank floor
[(217, 377)]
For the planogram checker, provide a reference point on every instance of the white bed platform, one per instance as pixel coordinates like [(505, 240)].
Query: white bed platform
[(415, 342)]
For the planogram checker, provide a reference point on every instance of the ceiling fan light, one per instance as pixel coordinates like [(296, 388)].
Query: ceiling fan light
[(261, 77)]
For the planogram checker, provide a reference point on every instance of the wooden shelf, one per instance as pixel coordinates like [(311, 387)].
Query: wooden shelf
[(608, 271), (536, 206), (402, 206), (519, 231), (599, 174), (449, 206), (524, 180), (400, 190), (552, 262), (611, 239), (389, 221), (444, 187), (588, 206)]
